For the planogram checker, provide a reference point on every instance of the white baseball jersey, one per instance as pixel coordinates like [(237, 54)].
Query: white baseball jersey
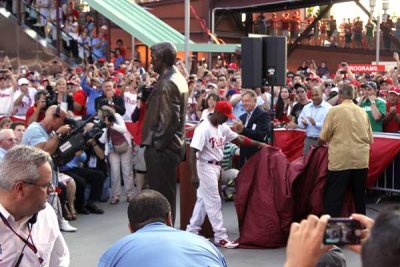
[(210, 140)]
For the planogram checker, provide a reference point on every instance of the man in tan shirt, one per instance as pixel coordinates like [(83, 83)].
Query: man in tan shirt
[(348, 131)]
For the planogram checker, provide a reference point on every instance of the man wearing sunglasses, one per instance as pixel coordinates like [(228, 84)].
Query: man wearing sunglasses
[(29, 234)]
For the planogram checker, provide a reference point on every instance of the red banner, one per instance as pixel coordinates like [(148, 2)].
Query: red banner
[(366, 68)]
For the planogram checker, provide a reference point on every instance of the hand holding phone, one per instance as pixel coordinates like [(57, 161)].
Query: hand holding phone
[(342, 231)]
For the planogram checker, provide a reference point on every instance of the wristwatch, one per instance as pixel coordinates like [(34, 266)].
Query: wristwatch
[(59, 135)]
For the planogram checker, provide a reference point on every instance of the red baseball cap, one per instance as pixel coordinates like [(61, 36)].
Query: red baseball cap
[(395, 90), (387, 80), (225, 107), (356, 83)]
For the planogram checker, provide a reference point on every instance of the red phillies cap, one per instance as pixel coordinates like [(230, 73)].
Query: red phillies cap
[(225, 107), (316, 78), (395, 90), (356, 83), (387, 80)]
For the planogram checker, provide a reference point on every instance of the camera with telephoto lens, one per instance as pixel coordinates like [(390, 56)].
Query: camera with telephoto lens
[(77, 139)]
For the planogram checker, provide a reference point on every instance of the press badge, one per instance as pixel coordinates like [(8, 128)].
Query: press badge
[(93, 162), (254, 126)]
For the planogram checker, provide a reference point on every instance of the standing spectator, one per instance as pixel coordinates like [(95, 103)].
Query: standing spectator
[(348, 33), (61, 96), (121, 47), (109, 98), (7, 89), (24, 98), (386, 27), (5, 123), (152, 231), (211, 101), (44, 10), (391, 121), (298, 107), (118, 148), (89, 25), (254, 124), (274, 24), (285, 24), (19, 129), (7, 141), (99, 47), (312, 118), (92, 91), (164, 123), (374, 106), (358, 28), (79, 97), (332, 27), (84, 45), (130, 98), (323, 70), (349, 139), (283, 107), (295, 26), (260, 25), (119, 58), (369, 34)]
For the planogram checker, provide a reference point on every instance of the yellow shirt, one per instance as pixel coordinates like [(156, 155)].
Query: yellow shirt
[(348, 131)]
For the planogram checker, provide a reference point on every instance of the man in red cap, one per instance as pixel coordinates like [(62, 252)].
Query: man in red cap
[(391, 121), (206, 153)]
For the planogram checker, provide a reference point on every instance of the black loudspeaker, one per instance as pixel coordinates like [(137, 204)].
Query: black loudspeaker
[(274, 58), (252, 62)]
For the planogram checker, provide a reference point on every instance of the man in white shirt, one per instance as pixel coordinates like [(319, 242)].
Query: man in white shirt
[(29, 233), (7, 88), (206, 153), (312, 118)]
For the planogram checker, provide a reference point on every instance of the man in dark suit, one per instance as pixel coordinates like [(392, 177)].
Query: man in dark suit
[(255, 124)]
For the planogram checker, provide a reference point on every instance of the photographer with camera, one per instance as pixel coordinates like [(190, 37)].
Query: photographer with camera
[(38, 110), (118, 148), (46, 135)]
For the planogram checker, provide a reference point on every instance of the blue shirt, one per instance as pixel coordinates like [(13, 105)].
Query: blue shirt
[(92, 94), (74, 163), (157, 245), (318, 113), (100, 51), (35, 134)]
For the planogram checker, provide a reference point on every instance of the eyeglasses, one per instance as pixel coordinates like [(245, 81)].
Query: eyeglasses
[(46, 186)]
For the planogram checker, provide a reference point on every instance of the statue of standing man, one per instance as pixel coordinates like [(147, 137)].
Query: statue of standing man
[(163, 131)]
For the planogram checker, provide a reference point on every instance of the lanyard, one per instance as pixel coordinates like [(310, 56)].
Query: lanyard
[(26, 241)]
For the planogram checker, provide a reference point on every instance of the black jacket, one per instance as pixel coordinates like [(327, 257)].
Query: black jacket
[(257, 129)]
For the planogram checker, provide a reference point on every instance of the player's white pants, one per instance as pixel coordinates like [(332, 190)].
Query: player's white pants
[(208, 201)]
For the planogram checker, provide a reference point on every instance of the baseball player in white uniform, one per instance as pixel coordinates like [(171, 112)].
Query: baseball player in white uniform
[(206, 153)]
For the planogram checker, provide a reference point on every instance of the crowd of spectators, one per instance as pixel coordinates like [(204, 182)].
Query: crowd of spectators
[(118, 89), (349, 33)]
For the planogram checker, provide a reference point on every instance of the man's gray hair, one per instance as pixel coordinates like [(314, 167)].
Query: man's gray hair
[(250, 93), (346, 91), (20, 164)]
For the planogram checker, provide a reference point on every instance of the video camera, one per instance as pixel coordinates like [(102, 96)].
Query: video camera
[(77, 139)]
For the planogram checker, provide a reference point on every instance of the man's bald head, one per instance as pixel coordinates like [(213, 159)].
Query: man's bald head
[(7, 139), (55, 111)]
